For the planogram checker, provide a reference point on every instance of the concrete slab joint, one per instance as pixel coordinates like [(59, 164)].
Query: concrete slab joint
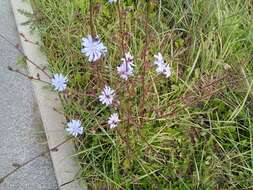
[(65, 166)]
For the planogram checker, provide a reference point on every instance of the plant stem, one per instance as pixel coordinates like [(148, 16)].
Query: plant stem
[(27, 58), (27, 76), (123, 51), (93, 34), (144, 65), (54, 149)]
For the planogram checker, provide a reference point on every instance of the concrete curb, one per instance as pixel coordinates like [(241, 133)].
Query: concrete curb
[(65, 166)]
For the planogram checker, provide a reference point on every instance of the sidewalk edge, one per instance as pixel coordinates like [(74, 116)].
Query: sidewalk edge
[(65, 166)]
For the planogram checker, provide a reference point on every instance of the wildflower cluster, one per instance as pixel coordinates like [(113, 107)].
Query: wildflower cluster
[(94, 50)]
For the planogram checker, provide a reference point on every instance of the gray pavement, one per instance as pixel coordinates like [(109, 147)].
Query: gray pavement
[(21, 132)]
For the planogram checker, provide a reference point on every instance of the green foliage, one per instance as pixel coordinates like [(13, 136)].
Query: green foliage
[(205, 140)]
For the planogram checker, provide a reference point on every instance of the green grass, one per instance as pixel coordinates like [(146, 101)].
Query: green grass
[(205, 140)]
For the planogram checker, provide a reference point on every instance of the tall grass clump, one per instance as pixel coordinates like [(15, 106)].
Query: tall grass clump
[(179, 120)]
